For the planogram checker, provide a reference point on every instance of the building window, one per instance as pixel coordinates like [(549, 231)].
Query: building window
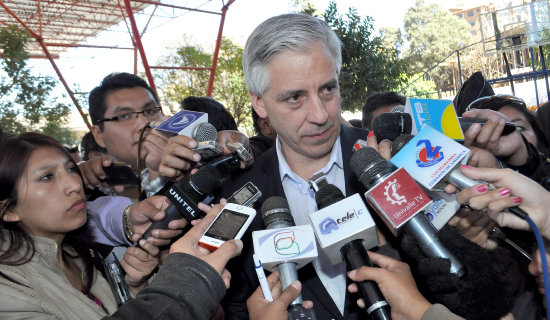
[(478, 10), (472, 23), (473, 32), (460, 15), (470, 13)]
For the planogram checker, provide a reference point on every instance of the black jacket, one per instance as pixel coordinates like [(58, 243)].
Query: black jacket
[(265, 175)]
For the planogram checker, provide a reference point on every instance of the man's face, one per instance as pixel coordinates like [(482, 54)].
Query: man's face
[(121, 138), (302, 103)]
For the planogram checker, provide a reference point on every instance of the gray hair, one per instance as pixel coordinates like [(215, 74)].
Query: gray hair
[(295, 32)]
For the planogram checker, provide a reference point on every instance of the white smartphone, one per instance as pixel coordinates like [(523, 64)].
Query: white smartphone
[(231, 223)]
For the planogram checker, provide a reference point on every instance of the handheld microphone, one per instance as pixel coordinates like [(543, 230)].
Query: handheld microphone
[(391, 125), (185, 195), (400, 202), (399, 143), (441, 115), (285, 246), (347, 237), (438, 166), (467, 122), (194, 125)]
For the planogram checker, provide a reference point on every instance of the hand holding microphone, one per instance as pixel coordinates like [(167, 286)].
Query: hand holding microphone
[(512, 189), (185, 195), (285, 247), (397, 284), (261, 309), (182, 152), (490, 136), (400, 202), (345, 230)]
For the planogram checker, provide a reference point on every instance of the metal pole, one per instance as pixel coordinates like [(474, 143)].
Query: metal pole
[(75, 45), (47, 52), (139, 45), (543, 61), (509, 73), (534, 77), (459, 67), (217, 50)]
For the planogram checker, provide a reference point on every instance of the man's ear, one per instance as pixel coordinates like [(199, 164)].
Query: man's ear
[(98, 135), (258, 104)]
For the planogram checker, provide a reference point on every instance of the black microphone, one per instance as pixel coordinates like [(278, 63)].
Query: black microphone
[(185, 195), (355, 255), (467, 122), (399, 143), (391, 125), (397, 122), (276, 214), (400, 202)]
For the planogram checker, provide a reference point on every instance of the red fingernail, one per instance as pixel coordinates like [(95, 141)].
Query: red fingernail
[(504, 192), (482, 188), (371, 133), (517, 200), (463, 166)]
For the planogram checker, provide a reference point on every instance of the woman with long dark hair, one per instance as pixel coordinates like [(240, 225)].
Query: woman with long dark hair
[(46, 264)]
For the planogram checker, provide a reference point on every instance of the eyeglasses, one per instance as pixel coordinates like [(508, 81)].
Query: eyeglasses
[(149, 114), (495, 102)]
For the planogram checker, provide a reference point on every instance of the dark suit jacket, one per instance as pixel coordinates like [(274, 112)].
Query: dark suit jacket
[(265, 175)]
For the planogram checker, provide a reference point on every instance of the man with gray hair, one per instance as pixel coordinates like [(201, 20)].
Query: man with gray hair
[(291, 65)]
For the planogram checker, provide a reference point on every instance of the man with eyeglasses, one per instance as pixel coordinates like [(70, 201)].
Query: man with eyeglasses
[(120, 107)]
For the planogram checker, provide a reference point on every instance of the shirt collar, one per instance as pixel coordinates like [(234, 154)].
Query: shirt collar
[(286, 171)]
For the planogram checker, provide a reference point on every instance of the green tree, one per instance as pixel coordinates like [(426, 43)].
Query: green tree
[(433, 34), (26, 102), (229, 86), (418, 87), (367, 65)]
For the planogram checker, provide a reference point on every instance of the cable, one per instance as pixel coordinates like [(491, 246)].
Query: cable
[(544, 262), (147, 126)]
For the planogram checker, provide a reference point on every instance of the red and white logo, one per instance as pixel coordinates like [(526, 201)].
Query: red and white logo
[(397, 199)]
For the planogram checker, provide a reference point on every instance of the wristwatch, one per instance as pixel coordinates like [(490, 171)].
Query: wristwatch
[(127, 225)]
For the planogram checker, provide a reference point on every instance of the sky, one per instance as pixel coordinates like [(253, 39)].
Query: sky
[(83, 68)]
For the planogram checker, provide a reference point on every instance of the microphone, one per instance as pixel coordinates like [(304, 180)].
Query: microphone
[(467, 122), (185, 195), (194, 125), (345, 231), (182, 123), (286, 247), (400, 202), (399, 143), (391, 125), (437, 160)]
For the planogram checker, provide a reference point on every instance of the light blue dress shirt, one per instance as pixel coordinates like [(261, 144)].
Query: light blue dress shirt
[(301, 200)]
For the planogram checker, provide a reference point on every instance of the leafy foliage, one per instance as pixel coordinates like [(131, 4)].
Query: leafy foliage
[(229, 86), (417, 87), (25, 99), (433, 34), (367, 65)]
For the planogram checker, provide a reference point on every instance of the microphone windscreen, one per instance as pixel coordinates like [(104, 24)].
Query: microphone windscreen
[(275, 211), (398, 108), (391, 125), (368, 165), (204, 181), (399, 143), (327, 195), (204, 132)]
